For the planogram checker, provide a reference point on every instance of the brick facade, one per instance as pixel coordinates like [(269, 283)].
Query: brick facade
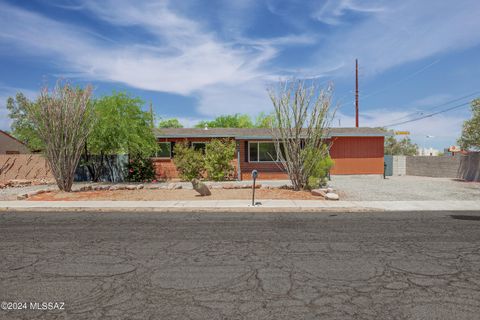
[(352, 155)]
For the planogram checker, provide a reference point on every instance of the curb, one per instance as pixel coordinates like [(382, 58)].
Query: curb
[(193, 210)]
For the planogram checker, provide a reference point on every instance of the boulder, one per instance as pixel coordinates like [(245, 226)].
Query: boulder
[(22, 196), (130, 187), (140, 186), (174, 186), (331, 196), (200, 187), (330, 190), (2, 185), (318, 192), (85, 188)]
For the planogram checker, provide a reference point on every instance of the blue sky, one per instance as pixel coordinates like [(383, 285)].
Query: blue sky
[(198, 59)]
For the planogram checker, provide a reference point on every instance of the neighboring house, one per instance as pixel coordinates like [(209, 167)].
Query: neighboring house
[(354, 150), (427, 152), (11, 145)]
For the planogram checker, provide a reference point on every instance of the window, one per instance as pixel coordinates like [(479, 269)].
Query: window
[(199, 146), (262, 152), (164, 150)]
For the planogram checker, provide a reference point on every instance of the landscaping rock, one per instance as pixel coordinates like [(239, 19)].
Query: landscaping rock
[(101, 188), (152, 187), (85, 188), (174, 186), (200, 187), (331, 196), (2, 185), (19, 182), (319, 192), (130, 187), (22, 196), (114, 188), (229, 186), (249, 186), (140, 186), (330, 190)]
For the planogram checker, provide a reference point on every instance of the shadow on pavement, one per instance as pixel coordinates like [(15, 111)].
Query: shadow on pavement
[(465, 217)]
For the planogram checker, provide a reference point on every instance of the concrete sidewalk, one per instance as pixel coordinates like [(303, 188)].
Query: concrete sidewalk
[(240, 206)]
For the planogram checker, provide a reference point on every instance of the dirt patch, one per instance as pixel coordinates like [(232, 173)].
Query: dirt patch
[(182, 194)]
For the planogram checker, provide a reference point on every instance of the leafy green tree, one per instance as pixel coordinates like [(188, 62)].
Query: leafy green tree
[(190, 163), (218, 159), (22, 127), (264, 120), (170, 123), (228, 121), (470, 138), (122, 127), (403, 147)]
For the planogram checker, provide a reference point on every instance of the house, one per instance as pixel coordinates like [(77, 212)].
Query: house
[(354, 150), (11, 145)]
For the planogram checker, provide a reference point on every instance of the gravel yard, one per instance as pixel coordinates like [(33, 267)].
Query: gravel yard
[(404, 188), (182, 194), (349, 188)]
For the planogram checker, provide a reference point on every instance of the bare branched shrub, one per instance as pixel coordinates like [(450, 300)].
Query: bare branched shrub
[(302, 119), (63, 118)]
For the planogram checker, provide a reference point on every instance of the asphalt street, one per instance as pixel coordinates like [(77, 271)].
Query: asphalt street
[(407, 265)]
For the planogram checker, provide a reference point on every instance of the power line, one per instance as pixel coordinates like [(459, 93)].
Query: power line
[(437, 106), (410, 76), (429, 115)]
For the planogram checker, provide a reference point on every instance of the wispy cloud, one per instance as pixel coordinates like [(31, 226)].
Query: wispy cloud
[(332, 11), (181, 56), (408, 30), (5, 93), (193, 60), (228, 70)]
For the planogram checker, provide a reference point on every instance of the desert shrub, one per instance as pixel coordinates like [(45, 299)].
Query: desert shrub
[(190, 163), (140, 169), (218, 159), (320, 167)]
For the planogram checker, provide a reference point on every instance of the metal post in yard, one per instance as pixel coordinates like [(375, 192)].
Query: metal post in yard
[(384, 169), (254, 177)]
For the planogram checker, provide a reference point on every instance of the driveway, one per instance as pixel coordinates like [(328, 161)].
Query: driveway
[(411, 265), (365, 188)]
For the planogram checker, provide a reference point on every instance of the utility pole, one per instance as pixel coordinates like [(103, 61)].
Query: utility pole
[(356, 93), (152, 120)]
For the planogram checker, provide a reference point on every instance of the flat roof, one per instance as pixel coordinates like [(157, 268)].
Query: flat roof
[(256, 133)]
